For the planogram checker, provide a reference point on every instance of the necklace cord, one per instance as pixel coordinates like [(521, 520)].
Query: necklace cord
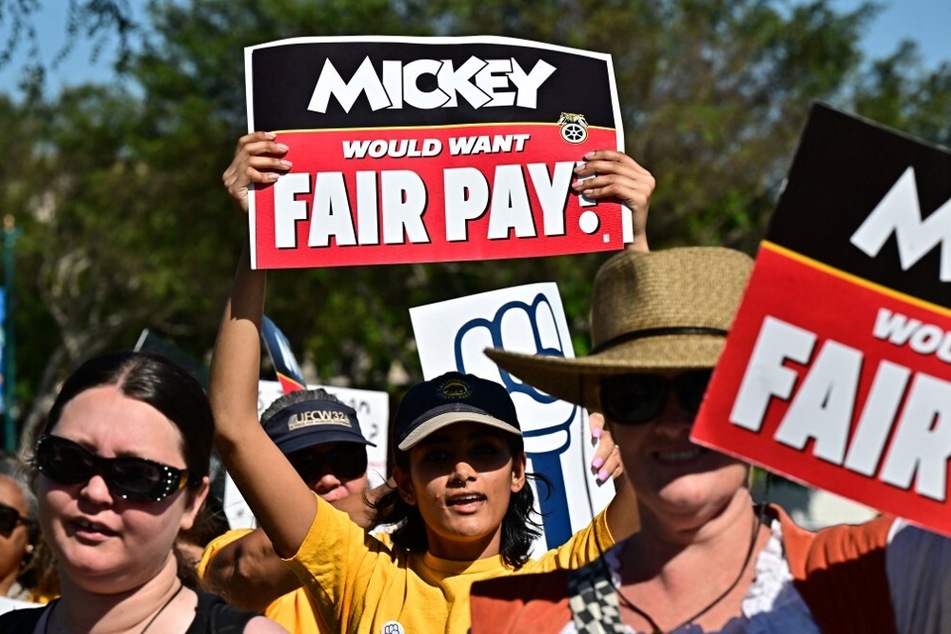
[(181, 586), (656, 629)]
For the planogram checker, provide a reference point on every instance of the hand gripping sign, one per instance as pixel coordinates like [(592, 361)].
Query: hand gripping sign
[(837, 370), (452, 336), (429, 149)]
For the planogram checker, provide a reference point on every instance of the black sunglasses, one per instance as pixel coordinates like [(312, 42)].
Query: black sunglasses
[(630, 399), (346, 461), (135, 479), (10, 517)]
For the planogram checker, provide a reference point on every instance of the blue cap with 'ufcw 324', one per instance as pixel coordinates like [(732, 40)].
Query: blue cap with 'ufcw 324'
[(314, 422)]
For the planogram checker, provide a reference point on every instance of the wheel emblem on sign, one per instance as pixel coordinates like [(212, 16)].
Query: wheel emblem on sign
[(574, 127)]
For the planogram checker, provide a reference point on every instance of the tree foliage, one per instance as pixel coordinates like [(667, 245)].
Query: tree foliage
[(126, 226)]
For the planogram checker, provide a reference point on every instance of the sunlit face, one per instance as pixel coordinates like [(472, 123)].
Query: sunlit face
[(15, 543), (102, 542), (676, 481), (461, 478)]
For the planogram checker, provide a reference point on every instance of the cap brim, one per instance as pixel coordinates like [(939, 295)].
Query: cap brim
[(298, 441), (440, 421), (576, 380)]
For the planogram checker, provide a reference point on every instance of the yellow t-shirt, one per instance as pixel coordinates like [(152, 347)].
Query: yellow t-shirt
[(294, 611), (361, 586)]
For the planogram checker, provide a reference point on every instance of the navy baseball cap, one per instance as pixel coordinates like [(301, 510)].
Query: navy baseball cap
[(452, 398), (314, 422)]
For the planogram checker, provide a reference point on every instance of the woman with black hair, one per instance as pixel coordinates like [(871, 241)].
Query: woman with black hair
[(458, 420), (121, 467), (460, 474)]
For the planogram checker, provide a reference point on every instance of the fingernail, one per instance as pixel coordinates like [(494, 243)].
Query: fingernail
[(271, 176), (589, 155), (283, 147), (287, 164), (597, 462), (603, 475), (596, 432), (270, 135)]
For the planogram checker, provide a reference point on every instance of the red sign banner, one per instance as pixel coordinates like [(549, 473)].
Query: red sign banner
[(837, 370), (429, 149)]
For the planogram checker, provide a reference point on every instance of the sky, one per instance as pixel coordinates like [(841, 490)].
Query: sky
[(928, 22)]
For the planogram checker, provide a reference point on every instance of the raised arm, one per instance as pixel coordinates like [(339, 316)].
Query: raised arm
[(267, 480), (611, 175)]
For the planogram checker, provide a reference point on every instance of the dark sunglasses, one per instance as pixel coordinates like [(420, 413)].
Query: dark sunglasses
[(135, 479), (630, 399), (10, 517), (346, 461)]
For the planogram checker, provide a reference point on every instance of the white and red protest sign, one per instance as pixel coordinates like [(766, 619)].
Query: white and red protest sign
[(429, 149), (837, 371)]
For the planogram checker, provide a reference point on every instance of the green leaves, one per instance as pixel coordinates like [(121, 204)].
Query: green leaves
[(126, 225)]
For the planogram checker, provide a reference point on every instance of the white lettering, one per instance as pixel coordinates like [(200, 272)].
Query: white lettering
[(331, 213), (368, 212), (484, 144), (467, 198), (922, 444), (412, 94), (895, 327), (822, 408), (480, 83), (364, 81), (922, 338), (511, 209), (875, 424), (528, 84), (404, 201), (288, 209), (393, 148), (459, 82), (765, 375), (899, 212), (552, 193)]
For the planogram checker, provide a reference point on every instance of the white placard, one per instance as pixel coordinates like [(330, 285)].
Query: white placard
[(452, 335)]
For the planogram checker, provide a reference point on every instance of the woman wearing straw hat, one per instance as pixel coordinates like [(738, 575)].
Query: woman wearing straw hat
[(705, 559), (461, 481)]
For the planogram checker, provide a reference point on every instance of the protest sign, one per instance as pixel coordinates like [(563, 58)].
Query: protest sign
[(452, 335), (429, 149), (836, 371), (373, 411)]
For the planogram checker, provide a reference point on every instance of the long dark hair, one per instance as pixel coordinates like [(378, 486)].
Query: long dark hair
[(519, 528), (156, 381)]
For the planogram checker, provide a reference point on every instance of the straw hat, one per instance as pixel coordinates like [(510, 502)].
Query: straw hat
[(660, 311)]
